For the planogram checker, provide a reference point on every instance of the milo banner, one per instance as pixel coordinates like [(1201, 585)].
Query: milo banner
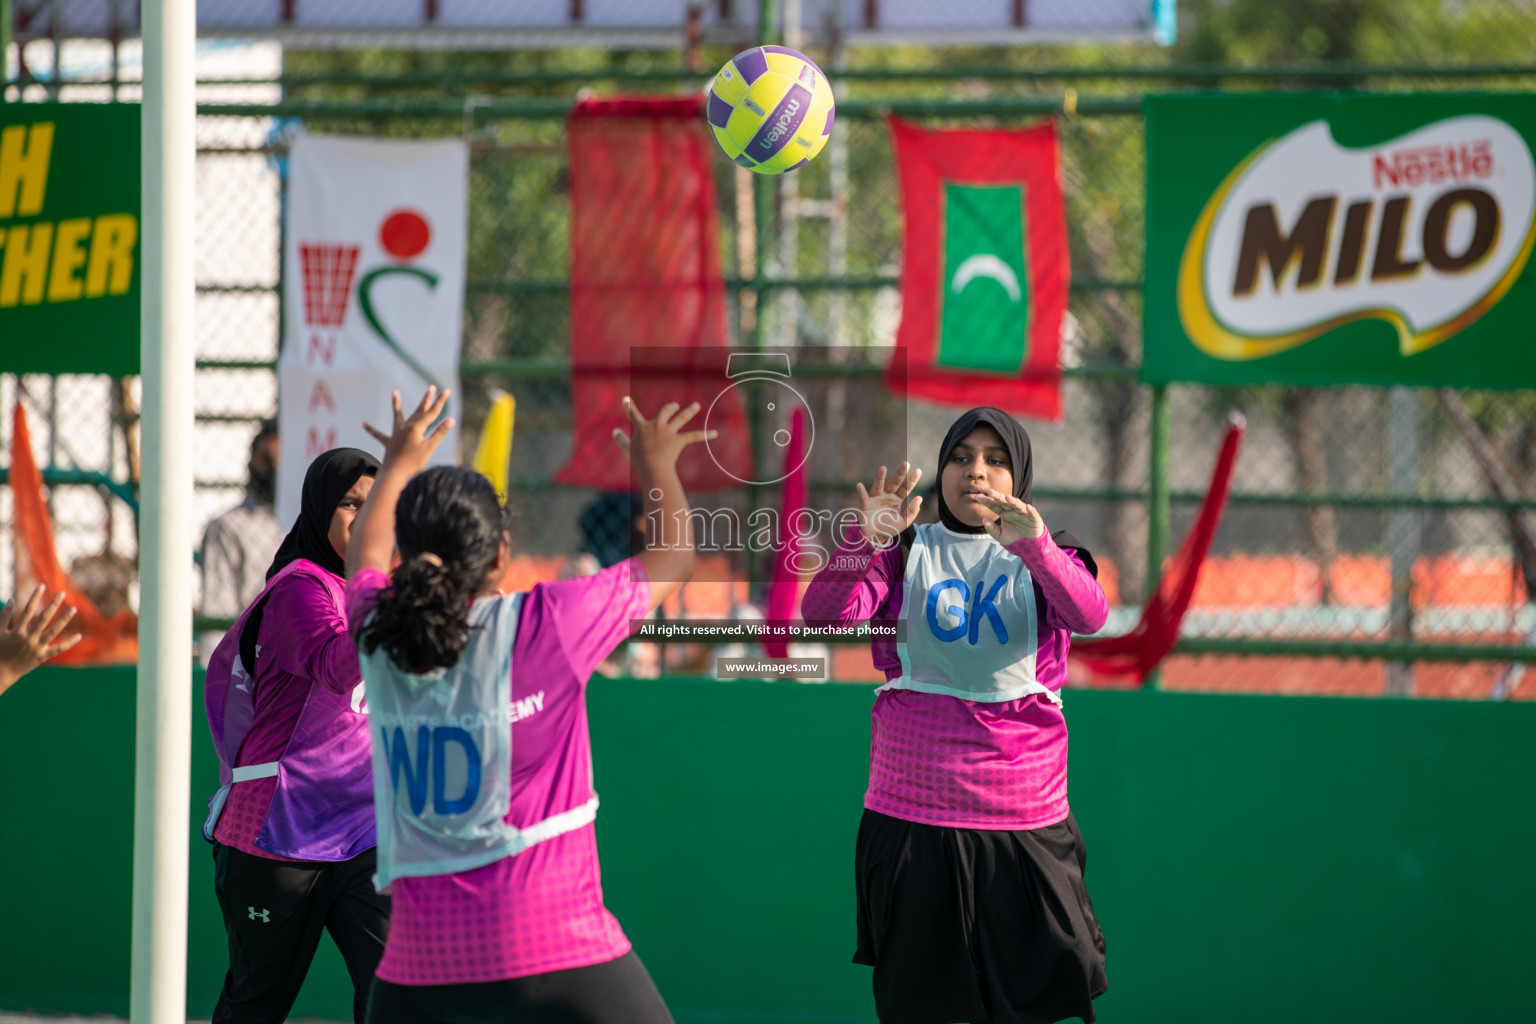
[(374, 265), (69, 238), (1328, 239)]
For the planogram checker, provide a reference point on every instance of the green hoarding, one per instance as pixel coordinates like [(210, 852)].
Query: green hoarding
[(69, 238), (1320, 238)]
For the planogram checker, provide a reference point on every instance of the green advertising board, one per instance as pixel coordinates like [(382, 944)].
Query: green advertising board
[(1320, 238), (69, 238)]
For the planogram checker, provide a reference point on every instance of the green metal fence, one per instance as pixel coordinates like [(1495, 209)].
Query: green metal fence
[(1361, 526)]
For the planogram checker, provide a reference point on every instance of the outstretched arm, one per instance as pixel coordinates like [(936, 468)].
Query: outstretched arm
[(857, 581), (406, 451), (653, 447), (30, 633), (854, 585)]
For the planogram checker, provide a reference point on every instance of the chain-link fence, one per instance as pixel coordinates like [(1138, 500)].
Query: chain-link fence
[(1363, 521)]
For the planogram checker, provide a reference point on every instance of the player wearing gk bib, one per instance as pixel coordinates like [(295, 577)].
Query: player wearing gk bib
[(292, 822), (969, 865), (482, 766)]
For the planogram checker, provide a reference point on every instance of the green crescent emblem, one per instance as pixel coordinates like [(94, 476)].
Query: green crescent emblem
[(365, 301)]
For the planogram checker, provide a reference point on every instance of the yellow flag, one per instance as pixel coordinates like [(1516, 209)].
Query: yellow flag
[(495, 449)]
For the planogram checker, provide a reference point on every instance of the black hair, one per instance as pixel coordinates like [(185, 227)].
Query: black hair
[(422, 621)]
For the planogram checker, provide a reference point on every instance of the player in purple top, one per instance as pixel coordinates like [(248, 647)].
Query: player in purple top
[(292, 823), (969, 866), (482, 760)]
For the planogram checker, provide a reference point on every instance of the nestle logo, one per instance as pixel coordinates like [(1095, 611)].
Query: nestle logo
[(782, 124), (1432, 165)]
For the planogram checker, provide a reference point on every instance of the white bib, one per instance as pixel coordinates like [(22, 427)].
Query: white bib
[(972, 628), (442, 756)]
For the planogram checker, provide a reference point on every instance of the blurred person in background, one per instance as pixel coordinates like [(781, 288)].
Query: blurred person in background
[(239, 545), (29, 634)]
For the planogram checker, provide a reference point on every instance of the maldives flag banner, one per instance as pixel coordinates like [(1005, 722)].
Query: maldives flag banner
[(985, 268), (647, 291)]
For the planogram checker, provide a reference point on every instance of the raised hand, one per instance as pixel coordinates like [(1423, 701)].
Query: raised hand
[(1015, 520), (409, 444), (29, 635), (881, 515), (656, 444)]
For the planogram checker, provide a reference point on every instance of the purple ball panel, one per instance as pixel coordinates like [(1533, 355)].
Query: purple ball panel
[(808, 77), (746, 161), (751, 63), (719, 111), (792, 53), (830, 115), (781, 124), (799, 165)]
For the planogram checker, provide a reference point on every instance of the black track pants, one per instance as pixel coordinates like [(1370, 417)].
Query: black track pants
[(274, 912)]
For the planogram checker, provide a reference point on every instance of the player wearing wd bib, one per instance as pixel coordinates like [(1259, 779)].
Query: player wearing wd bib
[(971, 901), (442, 757), (482, 761)]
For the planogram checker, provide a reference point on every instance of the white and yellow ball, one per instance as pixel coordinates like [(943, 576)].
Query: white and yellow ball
[(771, 109)]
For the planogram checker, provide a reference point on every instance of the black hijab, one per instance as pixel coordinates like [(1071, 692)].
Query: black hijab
[(1021, 462), (326, 482)]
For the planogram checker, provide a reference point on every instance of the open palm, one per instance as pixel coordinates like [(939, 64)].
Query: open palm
[(882, 516), (1016, 520)]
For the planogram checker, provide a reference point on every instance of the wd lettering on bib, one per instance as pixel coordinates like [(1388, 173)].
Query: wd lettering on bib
[(449, 733), (968, 623), (438, 741)]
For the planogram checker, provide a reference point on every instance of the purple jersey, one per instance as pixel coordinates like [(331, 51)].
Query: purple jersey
[(300, 715)]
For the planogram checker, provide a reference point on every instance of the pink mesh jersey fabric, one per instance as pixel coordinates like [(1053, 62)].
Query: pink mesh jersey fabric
[(940, 760), (541, 910)]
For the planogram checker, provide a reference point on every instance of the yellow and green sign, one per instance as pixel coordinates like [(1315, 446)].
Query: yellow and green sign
[(69, 238), (1341, 239)]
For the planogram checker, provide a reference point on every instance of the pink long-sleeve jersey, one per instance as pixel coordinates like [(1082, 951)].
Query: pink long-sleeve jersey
[(940, 760)]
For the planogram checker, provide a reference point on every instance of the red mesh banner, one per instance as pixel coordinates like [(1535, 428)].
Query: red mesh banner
[(647, 294), (1134, 655)]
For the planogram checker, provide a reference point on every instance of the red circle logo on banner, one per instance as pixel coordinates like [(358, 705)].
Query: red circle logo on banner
[(404, 234)]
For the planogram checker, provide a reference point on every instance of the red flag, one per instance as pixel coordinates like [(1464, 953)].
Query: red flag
[(1138, 652), (647, 295), (106, 640), (985, 267), (785, 588)]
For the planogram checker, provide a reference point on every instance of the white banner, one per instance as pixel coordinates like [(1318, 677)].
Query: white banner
[(374, 293)]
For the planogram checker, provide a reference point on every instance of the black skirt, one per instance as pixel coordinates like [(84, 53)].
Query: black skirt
[(976, 925)]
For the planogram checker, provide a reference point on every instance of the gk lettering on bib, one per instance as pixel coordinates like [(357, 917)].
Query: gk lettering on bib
[(972, 624)]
